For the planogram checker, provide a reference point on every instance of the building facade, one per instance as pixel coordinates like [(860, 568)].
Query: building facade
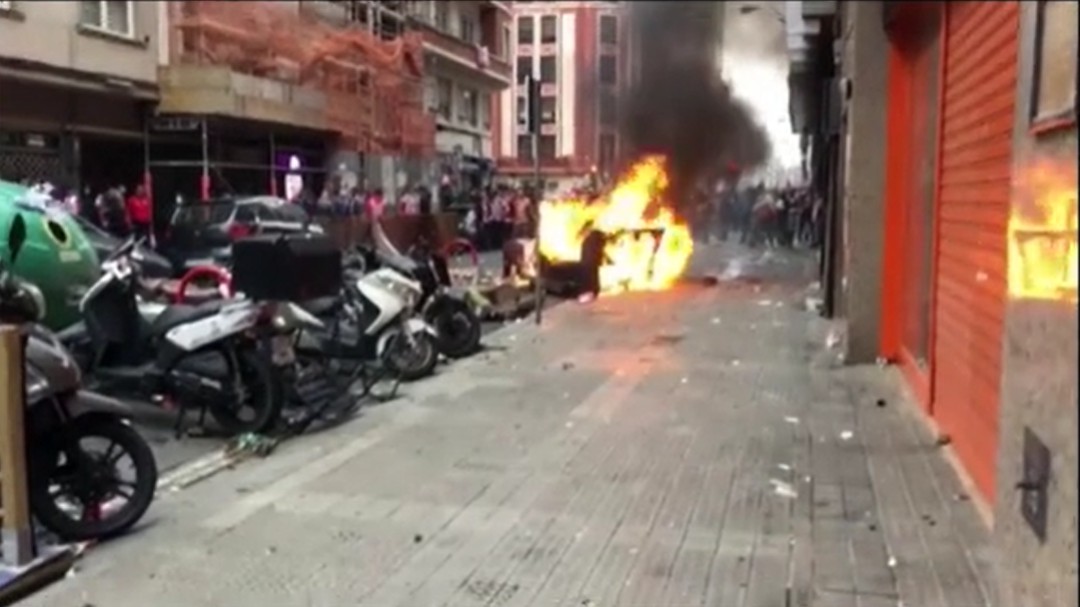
[(955, 239), (467, 65), (257, 93), (77, 80), (579, 52)]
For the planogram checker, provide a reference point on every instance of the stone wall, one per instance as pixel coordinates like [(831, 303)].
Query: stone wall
[(1039, 388), (865, 62)]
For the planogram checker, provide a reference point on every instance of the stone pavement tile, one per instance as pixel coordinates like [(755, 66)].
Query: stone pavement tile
[(691, 447), (940, 546)]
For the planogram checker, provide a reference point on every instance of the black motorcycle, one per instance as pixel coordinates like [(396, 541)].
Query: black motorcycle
[(451, 314), (75, 490)]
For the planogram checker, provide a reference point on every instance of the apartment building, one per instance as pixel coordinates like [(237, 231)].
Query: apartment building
[(76, 82), (578, 50), (467, 49)]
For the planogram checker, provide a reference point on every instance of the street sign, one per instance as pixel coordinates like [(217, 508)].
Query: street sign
[(174, 124)]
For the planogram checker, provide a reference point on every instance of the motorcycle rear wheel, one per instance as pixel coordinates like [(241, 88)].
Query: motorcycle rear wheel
[(262, 389), (458, 326), (47, 470)]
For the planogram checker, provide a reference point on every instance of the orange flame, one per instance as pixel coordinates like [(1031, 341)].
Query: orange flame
[(648, 247), (1043, 235)]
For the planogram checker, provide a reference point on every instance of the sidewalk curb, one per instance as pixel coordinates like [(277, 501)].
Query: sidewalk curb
[(198, 469)]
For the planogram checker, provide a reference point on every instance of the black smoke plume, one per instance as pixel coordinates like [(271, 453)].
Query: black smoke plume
[(678, 105)]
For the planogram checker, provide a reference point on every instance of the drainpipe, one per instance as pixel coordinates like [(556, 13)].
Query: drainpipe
[(204, 181)]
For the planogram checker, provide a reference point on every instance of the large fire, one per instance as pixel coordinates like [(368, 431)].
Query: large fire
[(1043, 235), (648, 246)]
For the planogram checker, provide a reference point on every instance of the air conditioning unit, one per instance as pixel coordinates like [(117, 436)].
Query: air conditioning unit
[(483, 56)]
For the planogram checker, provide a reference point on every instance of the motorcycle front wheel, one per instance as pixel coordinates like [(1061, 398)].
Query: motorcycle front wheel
[(78, 493), (412, 361)]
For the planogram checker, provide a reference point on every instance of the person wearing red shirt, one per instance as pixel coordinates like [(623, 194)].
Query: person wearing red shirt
[(139, 212)]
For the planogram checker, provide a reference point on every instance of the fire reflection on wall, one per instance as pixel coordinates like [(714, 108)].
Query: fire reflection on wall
[(1042, 234)]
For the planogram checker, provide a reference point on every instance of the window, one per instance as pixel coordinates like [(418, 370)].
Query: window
[(442, 16), (467, 29), (608, 108), (114, 16), (485, 111), (524, 147), (547, 69), (547, 147), (547, 29), (1054, 90), (292, 213), (468, 107), (526, 30), (607, 151), (522, 112), (524, 68), (548, 110), (608, 69), (609, 29), (507, 42), (444, 97)]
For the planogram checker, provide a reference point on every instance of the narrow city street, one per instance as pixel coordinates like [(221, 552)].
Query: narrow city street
[(692, 447)]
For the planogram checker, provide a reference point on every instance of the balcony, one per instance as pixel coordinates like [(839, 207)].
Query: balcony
[(494, 71), (502, 6)]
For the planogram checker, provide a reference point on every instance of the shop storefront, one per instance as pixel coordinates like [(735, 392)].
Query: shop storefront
[(193, 158), (952, 89), (77, 136)]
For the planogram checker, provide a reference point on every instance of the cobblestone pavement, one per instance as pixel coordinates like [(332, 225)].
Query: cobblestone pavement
[(693, 447)]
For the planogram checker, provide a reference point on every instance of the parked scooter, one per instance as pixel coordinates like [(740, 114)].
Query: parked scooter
[(448, 311), (74, 491), (206, 357), (373, 323)]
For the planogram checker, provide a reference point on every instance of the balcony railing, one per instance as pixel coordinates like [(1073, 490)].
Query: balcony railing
[(478, 56)]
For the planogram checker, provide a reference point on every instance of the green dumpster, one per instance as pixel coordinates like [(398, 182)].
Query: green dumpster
[(57, 256)]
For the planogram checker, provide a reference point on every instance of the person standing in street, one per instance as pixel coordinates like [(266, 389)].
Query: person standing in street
[(114, 217), (140, 212)]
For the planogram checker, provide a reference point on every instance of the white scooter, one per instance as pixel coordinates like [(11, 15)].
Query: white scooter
[(373, 322), (206, 357)]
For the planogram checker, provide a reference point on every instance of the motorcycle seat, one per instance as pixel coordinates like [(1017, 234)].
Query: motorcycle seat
[(179, 314), (323, 306)]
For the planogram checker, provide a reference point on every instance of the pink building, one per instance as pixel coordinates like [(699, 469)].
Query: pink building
[(579, 52)]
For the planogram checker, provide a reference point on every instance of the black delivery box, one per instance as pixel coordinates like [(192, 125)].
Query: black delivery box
[(286, 267)]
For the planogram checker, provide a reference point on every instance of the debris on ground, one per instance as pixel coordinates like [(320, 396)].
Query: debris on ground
[(943, 440), (251, 443), (881, 402), (783, 489), (833, 340)]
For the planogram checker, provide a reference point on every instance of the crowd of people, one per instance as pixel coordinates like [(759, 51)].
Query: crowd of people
[(772, 217), (115, 209)]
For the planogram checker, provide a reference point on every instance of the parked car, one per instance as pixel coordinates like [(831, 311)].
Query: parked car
[(202, 233), (153, 265)]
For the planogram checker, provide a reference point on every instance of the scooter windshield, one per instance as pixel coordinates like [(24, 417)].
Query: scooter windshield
[(387, 253)]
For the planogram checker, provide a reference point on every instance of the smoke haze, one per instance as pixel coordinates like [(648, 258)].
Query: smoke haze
[(679, 105)]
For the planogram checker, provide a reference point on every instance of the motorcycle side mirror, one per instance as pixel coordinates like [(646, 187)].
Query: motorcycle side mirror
[(16, 237)]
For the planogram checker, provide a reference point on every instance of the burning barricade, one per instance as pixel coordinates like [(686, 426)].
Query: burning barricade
[(630, 234)]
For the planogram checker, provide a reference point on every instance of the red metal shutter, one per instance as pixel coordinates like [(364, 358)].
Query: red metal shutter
[(976, 163)]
